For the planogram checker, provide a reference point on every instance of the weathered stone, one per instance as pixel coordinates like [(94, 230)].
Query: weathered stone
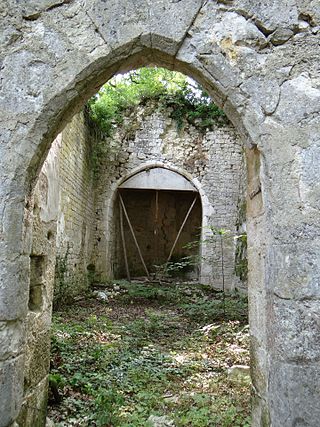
[(154, 421), (310, 12), (14, 300), (299, 99), (38, 356), (11, 390), (296, 331), (288, 409), (264, 90), (11, 336), (55, 55), (214, 165), (302, 279), (270, 14), (34, 408), (280, 36), (235, 30)]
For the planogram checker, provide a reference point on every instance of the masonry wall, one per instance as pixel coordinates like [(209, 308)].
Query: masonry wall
[(213, 160), (76, 217), (42, 268), (85, 192), (260, 61), (63, 220)]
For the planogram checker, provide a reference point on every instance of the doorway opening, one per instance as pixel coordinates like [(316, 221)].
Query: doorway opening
[(160, 226), (174, 173)]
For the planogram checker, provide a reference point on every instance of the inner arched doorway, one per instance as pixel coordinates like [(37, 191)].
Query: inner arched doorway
[(160, 222)]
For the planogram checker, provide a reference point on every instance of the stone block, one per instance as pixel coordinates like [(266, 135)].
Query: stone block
[(294, 331), (11, 389), (295, 273), (271, 14), (265, 91), (170, 22), (120, 22), (299, 98), (34, 407), (14, 288), (12, 336), (37, 357), (294, 394), (280, 36)]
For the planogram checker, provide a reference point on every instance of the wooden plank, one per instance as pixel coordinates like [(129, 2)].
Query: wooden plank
[(124, 243), (134, 236), (156, 230), (181, 228)]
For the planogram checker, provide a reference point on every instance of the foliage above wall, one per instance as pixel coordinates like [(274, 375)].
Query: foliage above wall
[(184, 98)]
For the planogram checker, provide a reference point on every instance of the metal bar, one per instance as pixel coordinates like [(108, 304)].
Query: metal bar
[(124, 244), (181, 228), (134, 236)]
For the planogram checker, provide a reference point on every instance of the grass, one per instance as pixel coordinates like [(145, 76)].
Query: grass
[(150, 350)]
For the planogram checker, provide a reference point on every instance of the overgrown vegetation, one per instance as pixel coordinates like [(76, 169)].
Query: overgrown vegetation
[(62, 285), (68, 283), (183, 99), (241, 261), (151, 350), (186, 99)]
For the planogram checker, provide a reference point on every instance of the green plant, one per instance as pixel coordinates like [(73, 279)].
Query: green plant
[(186, 102), (241, 262), (178, 267), (151, 353), (61, 281), (106, 405)]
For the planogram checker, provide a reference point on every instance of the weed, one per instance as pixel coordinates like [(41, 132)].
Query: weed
[(161, 358)]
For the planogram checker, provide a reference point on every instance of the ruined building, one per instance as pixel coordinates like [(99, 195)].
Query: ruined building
[(260, 63), (159, 170)]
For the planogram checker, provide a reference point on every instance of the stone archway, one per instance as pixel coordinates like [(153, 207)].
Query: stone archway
[(259, 63), (170, 219), (112, 204)]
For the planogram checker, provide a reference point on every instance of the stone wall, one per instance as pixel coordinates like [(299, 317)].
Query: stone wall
[(63, 220), (66, 188), (76, 217), (213, 160), (85, 191), (42, 265), (260, 63)]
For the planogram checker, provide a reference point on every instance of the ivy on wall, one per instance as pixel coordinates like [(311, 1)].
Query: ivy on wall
[(155, 88), (185, 99)]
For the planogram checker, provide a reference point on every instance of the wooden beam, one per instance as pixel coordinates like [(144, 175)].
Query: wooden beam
[(134, 236), (156, 229), (124, 244), (181, 228)]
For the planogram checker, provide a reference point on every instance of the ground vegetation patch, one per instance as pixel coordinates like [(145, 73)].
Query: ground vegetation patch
[(138, 354)]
